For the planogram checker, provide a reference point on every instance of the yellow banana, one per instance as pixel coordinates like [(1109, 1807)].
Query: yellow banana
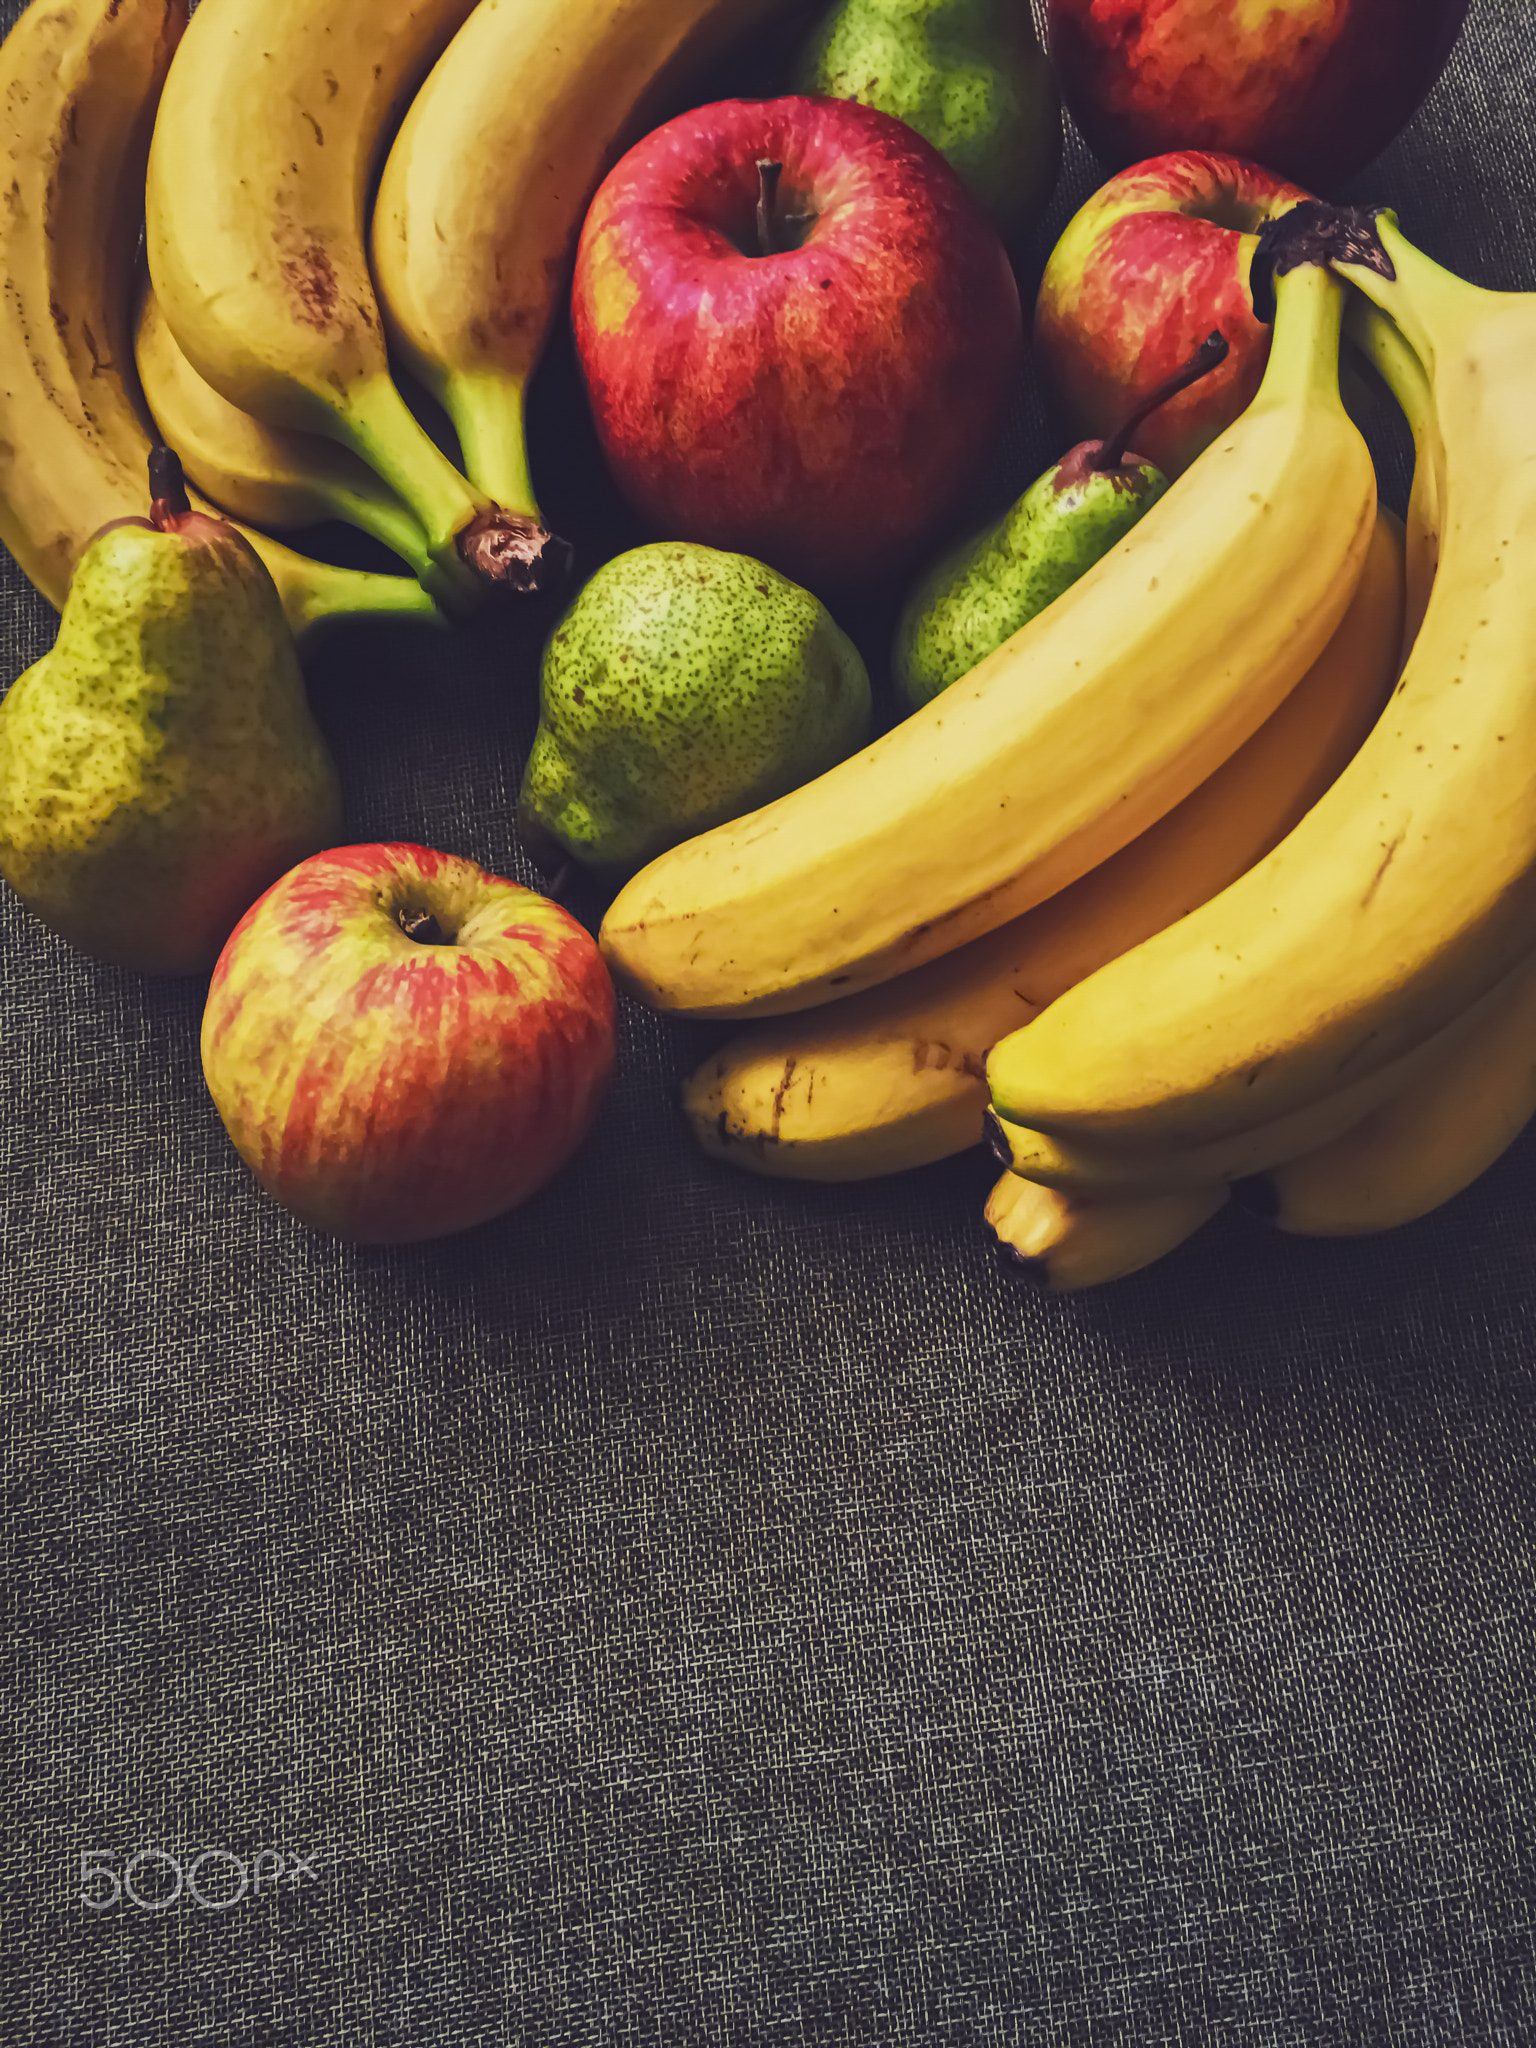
[(1423, 1146), (1087, 726), (1410, 890), (484, 188), (895, 1076), (1063, 1242), (273, 119), (1403, 374), (265, 474), (1084, 1165), (79, 84)]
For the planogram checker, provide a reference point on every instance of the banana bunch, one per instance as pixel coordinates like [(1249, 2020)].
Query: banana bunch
[(1346, 1032), (259, 345), (80, 86)]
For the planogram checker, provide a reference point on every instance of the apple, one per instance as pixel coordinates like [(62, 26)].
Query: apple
[(1156, 260), (1313, 88), (799, 334), (402, 1045)]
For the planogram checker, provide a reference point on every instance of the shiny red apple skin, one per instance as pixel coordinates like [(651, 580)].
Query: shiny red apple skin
[(387, 1090), (823, 408), (1312, 88), (1140, 276)]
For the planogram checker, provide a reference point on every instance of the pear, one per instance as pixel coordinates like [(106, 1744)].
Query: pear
[(984, 590), (968, 75), (683, 687), (160, 766)]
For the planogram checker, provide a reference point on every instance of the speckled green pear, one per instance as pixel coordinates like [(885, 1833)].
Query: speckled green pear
[(160, 766), (981, 593), (683, 687), (968, 75)]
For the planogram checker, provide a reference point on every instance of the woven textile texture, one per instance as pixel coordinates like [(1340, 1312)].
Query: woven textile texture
[(698, 1610)]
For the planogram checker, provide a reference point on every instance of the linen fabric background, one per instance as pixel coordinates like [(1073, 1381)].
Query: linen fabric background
[(694, 1609)]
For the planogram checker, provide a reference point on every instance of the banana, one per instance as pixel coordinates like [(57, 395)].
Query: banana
[(1409, 891), (1423, 1146), (1403, 374), (79, 84), (895, 1077), (1063, 1243), (1087, 726), (484, 188), (1085, 1166), (274, 116), (264, 474)]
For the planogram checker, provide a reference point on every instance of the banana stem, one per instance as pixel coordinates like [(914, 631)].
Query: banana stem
[(1430, 304), (487, 416), (397, 528), (1304, 350), (318, 595), (1387, 349)]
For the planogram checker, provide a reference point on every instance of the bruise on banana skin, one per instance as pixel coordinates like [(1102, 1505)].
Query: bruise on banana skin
[(729, 1134), (312, 286)]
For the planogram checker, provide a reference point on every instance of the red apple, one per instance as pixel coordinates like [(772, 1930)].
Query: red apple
[(1153, 262), (823, 406), (1314, 88), (402, 1045)]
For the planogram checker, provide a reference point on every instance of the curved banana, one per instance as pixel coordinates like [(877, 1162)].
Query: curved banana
[(896, 1076), (1083, 1165), (1384, 345), (1063, 1243), (265, 474), (273, 119), (1078, 733), (1410, 889), (1424, 1145), (484, 188), (80, 84)]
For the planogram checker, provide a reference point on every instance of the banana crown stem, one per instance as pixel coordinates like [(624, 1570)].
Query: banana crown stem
[(1394, 359), (1433, 307)]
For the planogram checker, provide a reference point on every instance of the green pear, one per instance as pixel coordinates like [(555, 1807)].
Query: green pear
[(683, 687), (981, 593), (160, 766), (968, 75), (984, 590)]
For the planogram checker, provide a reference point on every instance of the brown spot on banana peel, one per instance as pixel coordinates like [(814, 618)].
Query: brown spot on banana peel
[(312, 285), (1386, 862), (778, 1097)]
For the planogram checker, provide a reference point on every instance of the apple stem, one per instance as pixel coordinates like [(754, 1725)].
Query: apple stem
[(422, 926), (768, 175), (1212, 350), (167, 488)]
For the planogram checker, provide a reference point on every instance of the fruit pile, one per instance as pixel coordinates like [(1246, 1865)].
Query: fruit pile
[(1199, 851)]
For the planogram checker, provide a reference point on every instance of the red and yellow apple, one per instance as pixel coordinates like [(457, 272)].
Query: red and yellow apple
[(806, 364), (402, 1045), (1312, 88), (1150, 265)]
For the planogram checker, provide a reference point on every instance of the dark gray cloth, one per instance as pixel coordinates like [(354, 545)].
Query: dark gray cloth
[(700, 1610)]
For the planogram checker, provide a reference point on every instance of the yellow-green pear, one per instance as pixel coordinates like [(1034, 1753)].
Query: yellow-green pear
[(160, 767), (968, 75)]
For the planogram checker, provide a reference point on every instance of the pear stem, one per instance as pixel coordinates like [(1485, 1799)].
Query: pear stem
[(167, 488), (768, 175), (1212, 350)]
